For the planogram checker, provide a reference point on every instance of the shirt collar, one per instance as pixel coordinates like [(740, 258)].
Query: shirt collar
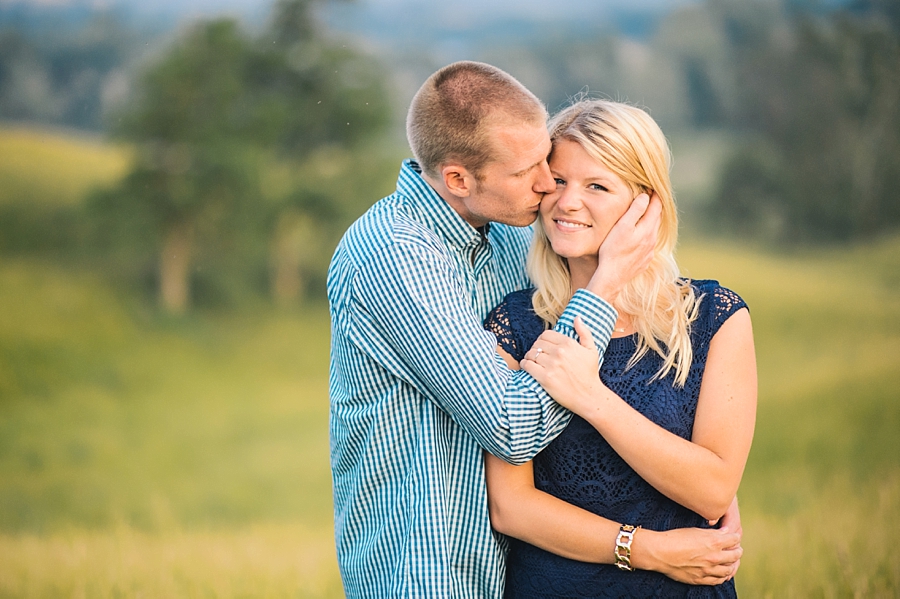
[(436, 213)]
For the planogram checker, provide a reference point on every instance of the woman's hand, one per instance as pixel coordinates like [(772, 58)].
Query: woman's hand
[(567, 369), (518, 509), (690, 555), (701, 473)]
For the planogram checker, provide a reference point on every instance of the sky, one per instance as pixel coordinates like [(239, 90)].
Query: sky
[(482, 8)]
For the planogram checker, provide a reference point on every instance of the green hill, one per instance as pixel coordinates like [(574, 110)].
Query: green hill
[(53, 167)]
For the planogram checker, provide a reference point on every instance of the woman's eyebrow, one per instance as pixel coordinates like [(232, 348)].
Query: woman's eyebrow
[(600, 179)]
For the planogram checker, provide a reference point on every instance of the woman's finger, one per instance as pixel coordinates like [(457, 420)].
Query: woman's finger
[(554, 338), (537, 349), (584, 334), (717, 574), (533, 368)]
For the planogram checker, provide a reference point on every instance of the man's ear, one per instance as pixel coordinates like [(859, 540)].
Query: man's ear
[(457, 179)]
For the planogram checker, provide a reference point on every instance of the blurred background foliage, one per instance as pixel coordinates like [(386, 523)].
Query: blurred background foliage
[(174, 177)]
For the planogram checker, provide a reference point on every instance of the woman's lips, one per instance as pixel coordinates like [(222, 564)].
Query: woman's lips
[(570, 225)]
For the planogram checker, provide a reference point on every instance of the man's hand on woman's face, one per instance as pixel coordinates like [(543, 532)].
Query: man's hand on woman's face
[(628, 248)]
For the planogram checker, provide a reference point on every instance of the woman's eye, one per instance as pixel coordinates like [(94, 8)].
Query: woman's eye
[(597, 187), (559, 181)]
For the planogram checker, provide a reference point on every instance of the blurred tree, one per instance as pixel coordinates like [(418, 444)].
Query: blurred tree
[(313, 93), (822, 103), (888, 9), (24, 84), (69, 75), (212, 118), (196, 137), (692, 40)]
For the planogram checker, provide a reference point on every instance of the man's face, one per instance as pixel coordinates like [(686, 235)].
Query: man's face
[(512, 185)]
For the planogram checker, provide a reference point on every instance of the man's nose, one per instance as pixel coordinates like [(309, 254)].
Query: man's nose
[(544, 182)]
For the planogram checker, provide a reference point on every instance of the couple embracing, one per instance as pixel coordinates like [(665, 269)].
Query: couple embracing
[(546, 411)]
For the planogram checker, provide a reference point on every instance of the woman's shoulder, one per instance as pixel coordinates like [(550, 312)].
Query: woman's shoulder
[(717, 303), (520, 299), (514, 307), (513, 322)]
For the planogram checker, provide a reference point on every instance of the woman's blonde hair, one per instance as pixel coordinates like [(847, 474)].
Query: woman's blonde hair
[(662, 305)]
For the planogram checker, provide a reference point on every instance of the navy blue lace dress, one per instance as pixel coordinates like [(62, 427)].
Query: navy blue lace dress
[(581, 468)]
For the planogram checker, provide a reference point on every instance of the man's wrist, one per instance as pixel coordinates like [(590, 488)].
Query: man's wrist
[(598, 314), (603, 289)]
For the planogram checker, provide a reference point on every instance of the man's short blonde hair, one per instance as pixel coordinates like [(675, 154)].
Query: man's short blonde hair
[(451, 114)]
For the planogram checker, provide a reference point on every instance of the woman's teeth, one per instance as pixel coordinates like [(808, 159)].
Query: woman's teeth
[(571, 225)]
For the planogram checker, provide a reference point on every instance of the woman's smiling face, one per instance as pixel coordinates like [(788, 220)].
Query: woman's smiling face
[(587, 202)]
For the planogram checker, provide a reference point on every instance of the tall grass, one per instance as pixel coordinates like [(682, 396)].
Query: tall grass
[(149, 456), (821, 494), (259, 561), (112, 416), (141, 455)]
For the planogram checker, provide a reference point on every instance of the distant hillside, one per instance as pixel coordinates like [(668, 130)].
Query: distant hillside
[(461, 13), (55, 168)]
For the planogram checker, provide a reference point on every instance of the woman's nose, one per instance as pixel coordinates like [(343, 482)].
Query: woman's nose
[(568, 199)]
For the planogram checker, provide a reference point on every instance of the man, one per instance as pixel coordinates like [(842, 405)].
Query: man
[(417, 389)]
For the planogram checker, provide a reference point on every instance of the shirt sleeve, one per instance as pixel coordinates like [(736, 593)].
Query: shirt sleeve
[(411, 314)]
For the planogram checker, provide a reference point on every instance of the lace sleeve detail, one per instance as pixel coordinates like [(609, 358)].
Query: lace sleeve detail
[(717, 305), (515, 324), (499, 323), (726, 303)]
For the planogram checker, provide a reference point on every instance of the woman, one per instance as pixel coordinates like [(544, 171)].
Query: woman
[(661, 437)]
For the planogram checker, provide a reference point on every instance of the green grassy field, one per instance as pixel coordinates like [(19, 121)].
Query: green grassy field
[(47, 167), (142, 455), (821, 494), (146, 456)]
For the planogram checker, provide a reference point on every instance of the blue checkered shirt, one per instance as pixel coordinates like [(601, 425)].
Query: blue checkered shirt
[(418, 390)]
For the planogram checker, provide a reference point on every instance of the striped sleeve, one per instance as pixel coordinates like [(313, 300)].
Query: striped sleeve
[(411, 314)]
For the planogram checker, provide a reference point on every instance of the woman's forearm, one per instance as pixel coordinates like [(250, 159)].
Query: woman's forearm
[(547, 522), (687, 473), (518, 509), (702, 474)]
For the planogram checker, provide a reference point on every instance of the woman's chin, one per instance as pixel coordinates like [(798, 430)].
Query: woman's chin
[(577, 254)]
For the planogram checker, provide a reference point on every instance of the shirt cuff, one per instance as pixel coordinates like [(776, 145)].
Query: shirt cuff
[(597, 314)]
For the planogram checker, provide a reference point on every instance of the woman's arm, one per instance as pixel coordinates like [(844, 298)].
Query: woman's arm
[(518, 509), (702, 474)]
